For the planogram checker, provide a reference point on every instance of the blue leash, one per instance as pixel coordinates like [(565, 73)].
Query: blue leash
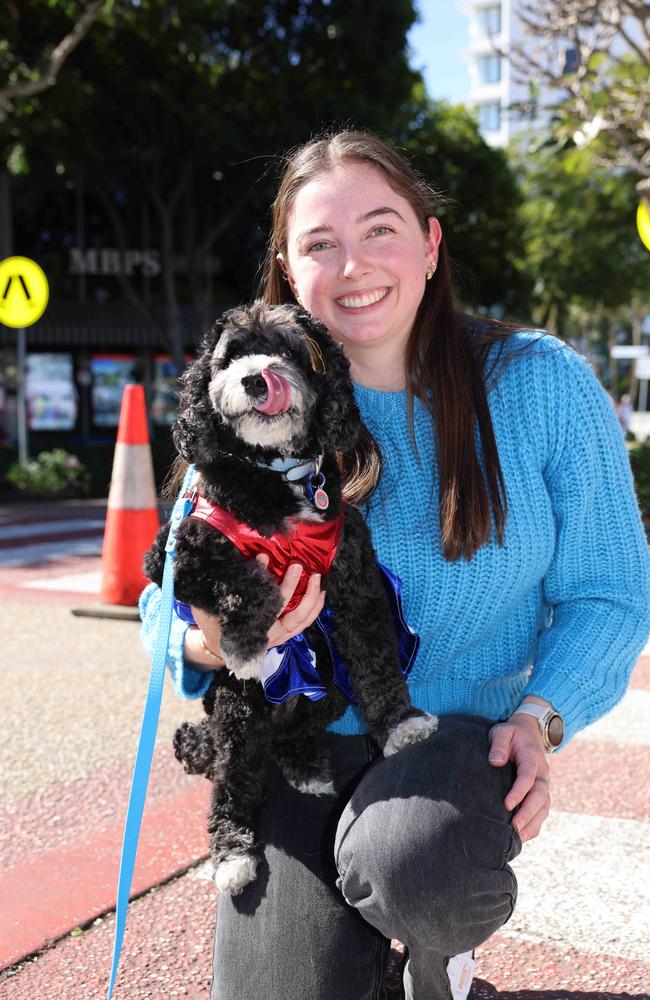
[(144, 753)]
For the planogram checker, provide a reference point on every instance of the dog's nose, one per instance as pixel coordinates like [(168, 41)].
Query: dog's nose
[(255, 385)]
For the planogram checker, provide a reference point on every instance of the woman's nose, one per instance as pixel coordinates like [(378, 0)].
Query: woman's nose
[(354, 263)]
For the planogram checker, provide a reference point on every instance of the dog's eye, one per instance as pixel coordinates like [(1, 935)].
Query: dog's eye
[(288, 353)]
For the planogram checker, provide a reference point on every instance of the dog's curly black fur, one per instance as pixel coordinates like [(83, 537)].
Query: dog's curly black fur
[(223, 433)]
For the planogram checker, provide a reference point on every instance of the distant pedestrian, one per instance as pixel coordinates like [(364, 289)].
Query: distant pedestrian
[(624, 412), (496, 484)]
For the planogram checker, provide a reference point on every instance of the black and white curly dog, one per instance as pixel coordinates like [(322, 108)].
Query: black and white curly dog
[(262, 413)]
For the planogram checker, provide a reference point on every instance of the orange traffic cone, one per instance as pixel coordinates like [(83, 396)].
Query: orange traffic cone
[(132, 516)]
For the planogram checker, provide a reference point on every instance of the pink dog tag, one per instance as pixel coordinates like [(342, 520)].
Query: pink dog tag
[(321, 499)]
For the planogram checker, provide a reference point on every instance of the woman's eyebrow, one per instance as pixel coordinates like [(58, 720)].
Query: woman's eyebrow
[(385, 210), (378, 211)]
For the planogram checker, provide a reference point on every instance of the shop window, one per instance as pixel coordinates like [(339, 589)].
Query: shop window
[(164, 402), (50, 392), (110, 373)]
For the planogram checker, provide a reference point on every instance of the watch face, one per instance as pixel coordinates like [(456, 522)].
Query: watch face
[(555, 730)]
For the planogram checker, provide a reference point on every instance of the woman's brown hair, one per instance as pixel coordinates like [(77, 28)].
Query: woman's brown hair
[(446, 358)]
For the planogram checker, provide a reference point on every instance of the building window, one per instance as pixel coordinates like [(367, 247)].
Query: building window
[(489, 20), (489, 117), (489, 68), (571, 61)]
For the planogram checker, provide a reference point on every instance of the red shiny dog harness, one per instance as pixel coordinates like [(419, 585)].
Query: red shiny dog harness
[(313, 544)]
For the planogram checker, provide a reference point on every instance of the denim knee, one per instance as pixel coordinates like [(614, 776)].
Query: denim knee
[(419, 871)]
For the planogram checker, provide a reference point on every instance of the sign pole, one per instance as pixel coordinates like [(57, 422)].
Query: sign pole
[(24, 294), (23, 448)]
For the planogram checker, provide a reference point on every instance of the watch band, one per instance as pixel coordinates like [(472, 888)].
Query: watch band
[(544, 716)]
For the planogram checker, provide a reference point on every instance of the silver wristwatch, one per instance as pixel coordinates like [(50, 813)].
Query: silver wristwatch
[(551, 723)]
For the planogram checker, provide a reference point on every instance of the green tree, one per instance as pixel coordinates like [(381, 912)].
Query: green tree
[(480, 213), (168, 122), (594, 58), (582, 252)]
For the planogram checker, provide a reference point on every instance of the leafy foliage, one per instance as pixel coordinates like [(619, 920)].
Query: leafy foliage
[(578, 226), (53, 473), (170, 121)]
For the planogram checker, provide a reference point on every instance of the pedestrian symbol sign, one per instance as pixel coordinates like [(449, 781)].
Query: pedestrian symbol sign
[(24, 292)]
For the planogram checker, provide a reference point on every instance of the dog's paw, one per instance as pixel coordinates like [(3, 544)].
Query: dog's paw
[(312, 786), (233, 874), (413, 729), (311, 777), (244, 668)]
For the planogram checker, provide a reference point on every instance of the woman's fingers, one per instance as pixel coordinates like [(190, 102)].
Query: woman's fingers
[(210, 628), (305, 612), (289, 580), (533, 811), (519, 741)]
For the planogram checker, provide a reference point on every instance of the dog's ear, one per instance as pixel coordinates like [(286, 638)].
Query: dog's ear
[(338, 415), (197, 430)]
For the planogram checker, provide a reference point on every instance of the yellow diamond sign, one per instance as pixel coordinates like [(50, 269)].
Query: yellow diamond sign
[(24, 292)]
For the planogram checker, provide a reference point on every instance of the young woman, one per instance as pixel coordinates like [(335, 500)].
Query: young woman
[(496, 485)]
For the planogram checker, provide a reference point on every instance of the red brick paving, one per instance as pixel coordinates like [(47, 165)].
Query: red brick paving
[(167, 953), (602, 779), (48, 889), (525, 969)]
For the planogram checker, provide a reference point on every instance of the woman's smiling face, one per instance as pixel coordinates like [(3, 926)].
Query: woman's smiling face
[(357, 256)]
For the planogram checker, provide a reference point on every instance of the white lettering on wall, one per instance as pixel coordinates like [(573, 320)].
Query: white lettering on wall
[(109, 261)]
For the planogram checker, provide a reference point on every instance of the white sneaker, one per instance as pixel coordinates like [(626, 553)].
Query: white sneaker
[(460, 969)]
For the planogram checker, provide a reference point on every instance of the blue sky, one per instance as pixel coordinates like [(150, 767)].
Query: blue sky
[(437, 45)]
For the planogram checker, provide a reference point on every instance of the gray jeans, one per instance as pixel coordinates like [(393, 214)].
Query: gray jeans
[(414, 846)]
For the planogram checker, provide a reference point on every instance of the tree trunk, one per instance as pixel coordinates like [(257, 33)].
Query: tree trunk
[(6, 224)]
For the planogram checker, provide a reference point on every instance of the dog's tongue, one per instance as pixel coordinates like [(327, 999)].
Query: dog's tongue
[(278, 399)]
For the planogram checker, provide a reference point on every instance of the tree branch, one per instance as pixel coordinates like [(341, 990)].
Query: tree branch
[(48, 74)]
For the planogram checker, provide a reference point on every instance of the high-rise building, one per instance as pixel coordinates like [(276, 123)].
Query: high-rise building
[(505, 103), (494, 89)]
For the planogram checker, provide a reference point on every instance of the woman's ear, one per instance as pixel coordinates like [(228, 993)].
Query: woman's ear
[(284, 267), (432, 240)]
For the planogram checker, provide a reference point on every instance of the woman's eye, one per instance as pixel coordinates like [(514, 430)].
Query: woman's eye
[(322, 244), (381, 230)]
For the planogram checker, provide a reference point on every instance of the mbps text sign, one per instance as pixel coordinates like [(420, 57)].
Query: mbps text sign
[(109, 261)]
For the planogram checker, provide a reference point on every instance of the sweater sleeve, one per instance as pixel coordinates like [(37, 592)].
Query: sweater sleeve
[(187, 682), (598, 582)]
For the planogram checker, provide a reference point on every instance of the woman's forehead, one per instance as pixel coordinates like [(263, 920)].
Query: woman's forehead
[(348, 192)]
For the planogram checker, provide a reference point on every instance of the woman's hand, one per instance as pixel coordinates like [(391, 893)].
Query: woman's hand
[(520, 741), (208, 634)]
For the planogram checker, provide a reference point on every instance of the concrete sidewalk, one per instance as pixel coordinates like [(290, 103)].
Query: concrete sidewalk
[(71, 710)]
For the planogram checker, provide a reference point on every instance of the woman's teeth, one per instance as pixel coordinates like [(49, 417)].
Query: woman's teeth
[(356, 301)]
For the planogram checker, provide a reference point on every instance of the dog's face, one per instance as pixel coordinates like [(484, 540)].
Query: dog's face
[(263, 383), (270, 378)]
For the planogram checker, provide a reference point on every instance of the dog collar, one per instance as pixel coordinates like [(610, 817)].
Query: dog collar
[(294, 469)]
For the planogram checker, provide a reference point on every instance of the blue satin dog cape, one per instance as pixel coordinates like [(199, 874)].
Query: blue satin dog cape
[(290, 668)]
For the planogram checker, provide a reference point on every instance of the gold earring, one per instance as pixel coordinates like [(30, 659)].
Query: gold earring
[(299, 301), (430, 271)]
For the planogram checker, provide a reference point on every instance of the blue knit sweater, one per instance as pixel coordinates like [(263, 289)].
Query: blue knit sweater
[(563, 609)]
